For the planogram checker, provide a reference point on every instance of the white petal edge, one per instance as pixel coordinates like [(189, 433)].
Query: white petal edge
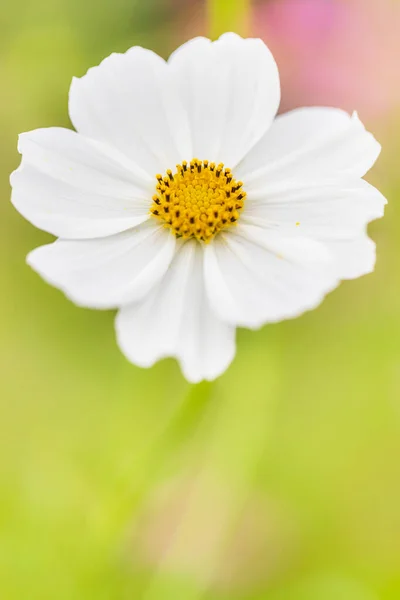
[(107, 272), (231, 92), (176, 320), (130, 103), (337, 209), (255, 277), (353, 258), (310, 144), (76, 188)]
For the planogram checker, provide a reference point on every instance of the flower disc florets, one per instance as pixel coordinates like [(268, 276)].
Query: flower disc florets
[(199, 200)]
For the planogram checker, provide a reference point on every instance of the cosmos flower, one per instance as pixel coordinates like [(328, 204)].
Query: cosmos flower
[(186, 204)]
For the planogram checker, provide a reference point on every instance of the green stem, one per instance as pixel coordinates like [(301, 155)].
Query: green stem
[(175, 436), (228, 15)]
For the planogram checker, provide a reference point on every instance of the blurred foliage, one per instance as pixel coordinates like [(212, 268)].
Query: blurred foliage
[(301, 434)]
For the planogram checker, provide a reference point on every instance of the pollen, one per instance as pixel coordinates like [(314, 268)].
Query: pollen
[(199, 200)]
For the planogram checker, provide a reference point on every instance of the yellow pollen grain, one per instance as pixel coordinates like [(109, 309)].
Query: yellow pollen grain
[(199, 200)]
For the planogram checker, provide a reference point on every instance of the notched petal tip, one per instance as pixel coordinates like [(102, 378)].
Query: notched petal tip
[(34, 259), (186, 45), (28, 136), (209, 375), (369, 137), (13, 179), (235, 37), (231, 35), (20, 140)]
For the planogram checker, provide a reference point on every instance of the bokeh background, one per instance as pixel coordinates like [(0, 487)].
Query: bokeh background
[(280, 481)]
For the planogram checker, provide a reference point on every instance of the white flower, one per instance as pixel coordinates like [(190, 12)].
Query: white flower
[(187, 249)]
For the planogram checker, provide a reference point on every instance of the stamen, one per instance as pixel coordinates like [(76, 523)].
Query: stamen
[(204, 198)]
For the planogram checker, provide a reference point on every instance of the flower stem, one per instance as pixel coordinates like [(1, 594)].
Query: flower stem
[(228, 15)]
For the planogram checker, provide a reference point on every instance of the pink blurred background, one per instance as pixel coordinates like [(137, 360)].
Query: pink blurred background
[(335, 52)]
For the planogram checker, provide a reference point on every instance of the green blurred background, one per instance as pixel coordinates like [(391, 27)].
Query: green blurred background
[(280, 481)]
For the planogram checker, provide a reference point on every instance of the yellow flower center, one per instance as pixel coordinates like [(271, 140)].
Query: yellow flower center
[(199, 200)]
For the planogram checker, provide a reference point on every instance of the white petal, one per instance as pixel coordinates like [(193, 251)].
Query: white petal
[(231, 91), (73, 187), (107, 272), (353, 258), (254, 276), (310, 143), (129, 102), (176, 320), (328, 210)]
